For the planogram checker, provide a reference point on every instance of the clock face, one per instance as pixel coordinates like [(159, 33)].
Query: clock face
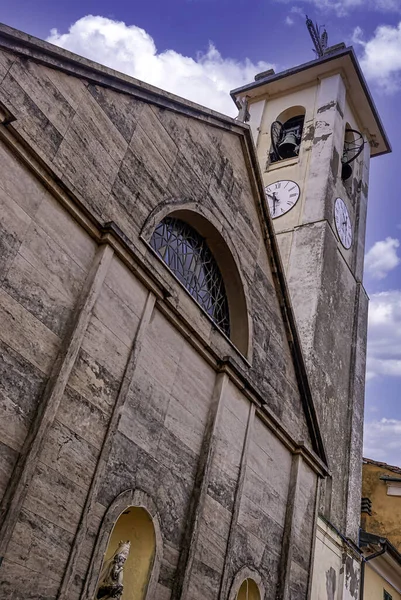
[(281, 196), (343, 223)]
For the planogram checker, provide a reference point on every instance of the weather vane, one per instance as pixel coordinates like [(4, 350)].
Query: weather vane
[(319, 41)]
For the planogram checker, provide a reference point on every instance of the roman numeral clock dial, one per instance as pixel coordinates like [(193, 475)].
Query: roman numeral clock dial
[(343, 223), (281, 196)]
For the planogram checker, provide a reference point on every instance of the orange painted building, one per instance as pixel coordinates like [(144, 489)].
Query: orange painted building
[(381, 484)]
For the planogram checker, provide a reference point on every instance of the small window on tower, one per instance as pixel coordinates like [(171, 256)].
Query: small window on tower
[(286, 134)]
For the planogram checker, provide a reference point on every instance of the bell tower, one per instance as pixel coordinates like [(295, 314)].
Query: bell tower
[(315, 129)]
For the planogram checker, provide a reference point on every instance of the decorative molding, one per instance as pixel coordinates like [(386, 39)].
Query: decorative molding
[(237, 503), (184, 571)]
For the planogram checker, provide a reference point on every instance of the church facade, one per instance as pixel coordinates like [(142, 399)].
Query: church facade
[(160, 427)]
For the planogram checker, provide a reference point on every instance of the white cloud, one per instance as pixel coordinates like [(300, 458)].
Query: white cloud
[(382, 258), (381, 56), (382, 441), (206, 79), (342, 8), (297, 10), (289, 21), (384, 335)]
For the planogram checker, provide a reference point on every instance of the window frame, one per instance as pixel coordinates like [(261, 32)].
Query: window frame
[(201, 254)]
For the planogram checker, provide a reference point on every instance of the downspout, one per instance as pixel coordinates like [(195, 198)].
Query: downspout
[(365, 560)]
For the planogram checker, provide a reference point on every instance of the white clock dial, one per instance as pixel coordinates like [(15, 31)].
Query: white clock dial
[(343, 223), (281, 196)]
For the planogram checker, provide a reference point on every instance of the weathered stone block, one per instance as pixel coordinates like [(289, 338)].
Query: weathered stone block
[(68, 454), (21, 387), (26, 335), (31, 122), (40, 545), (94, 382), (83, 417), (41, 90), (33, 291), (55, 498), (13, 227), (8, 459)]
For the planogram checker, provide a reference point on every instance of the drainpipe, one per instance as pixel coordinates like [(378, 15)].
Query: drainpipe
[(365, 560)]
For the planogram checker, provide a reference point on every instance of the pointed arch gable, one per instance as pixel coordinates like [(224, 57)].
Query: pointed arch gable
[(127, 499), (208, 226)]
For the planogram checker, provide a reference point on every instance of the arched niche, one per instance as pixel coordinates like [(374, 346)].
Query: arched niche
[(135, 526), (248, 590), (225, 255), (247, 585), (292, 123), (132, 516)]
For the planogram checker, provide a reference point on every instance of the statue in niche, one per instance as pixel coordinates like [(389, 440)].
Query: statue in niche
[(111, 577)]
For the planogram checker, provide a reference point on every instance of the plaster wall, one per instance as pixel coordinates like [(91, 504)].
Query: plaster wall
[(112, 377), (336, 569), (375, 585), (386, 509)]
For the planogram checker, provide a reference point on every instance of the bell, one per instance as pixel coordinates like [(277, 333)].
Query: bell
[(289, 146), (346, 171)]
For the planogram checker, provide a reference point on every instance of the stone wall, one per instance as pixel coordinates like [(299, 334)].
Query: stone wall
[(112, 377)]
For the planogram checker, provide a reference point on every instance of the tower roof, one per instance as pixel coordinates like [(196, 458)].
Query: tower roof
[(342, 60)]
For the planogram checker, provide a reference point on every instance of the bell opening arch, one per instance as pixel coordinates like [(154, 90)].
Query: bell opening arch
[(286, 134)]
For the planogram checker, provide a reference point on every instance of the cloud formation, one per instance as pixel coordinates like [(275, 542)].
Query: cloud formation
[(382, 258), (342, 8), (206, 79), (381, 56), (384, 335), (382, 441)]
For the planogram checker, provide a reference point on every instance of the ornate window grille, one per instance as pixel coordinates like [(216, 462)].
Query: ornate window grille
[(187, 255)]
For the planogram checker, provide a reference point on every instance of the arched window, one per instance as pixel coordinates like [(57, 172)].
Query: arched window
[(188, 256), (129, 557), (353, 146), (248, 590), (286, 134)]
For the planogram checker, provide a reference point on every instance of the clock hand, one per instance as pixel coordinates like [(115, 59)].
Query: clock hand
[(275, 200)]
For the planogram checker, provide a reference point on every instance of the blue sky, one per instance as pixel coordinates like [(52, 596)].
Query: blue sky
[(200, 49)]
